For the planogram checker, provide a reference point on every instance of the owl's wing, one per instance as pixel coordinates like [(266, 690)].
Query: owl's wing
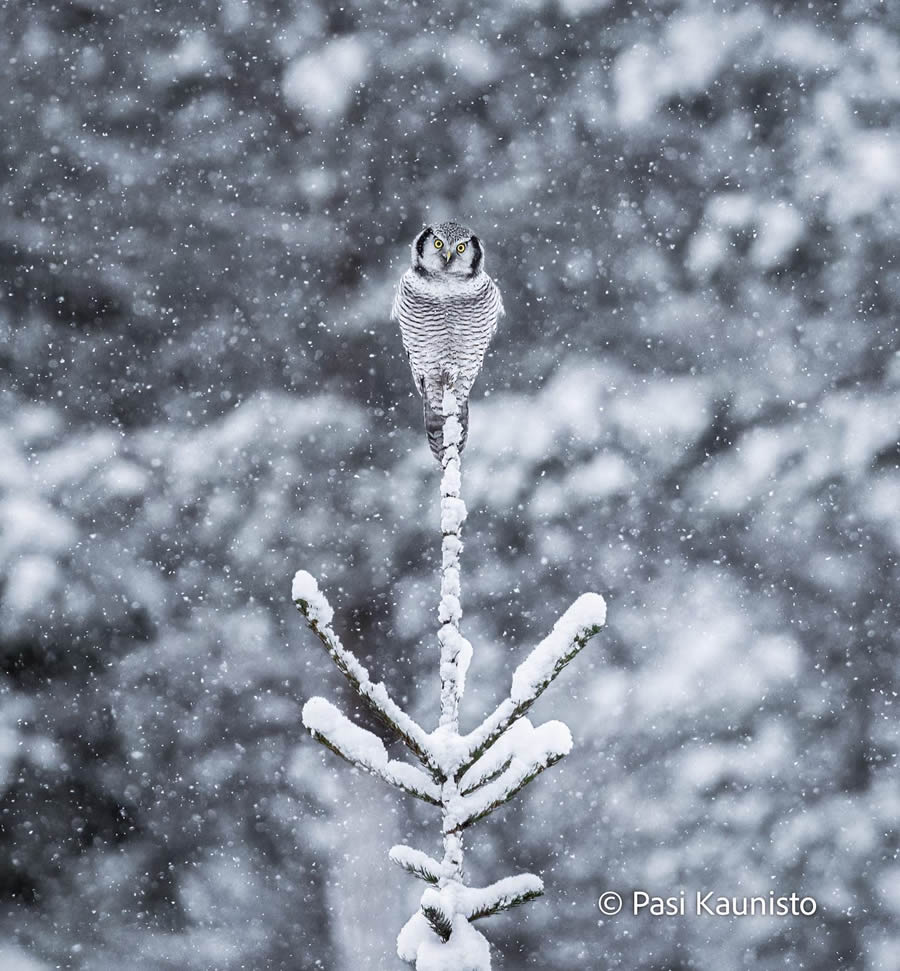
[(500, 310), (401, 312), (395, 306)]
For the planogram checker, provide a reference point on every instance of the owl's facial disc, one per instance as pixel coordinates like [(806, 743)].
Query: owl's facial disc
[(460, 257), (447, 249), (430, 253)]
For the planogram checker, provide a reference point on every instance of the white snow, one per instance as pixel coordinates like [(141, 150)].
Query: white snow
[(466, 950), (606, 475), (321, 716), (874, 159), (531, 753), (780, 229), (444, 900), (379, 696), (193, 56), (588, 611), (452, 430), (363, 748), (777, 226), (572, 9), (449, 407), (456, 649), (500, 895), (409, 778), (451, 581), (31, 525), (448, 747), (533, 675), (14, 712), (125, 480), (449, 609), (522, 743), (451, 482), (749, 470), (474, 60), (32, 580), (416, 931), (453, 514), (707, 250), (496, 758), (805, 48), (38, 424), (730, 210), (881, 504), (305, 588), (693, 48), (662, 418), (450, 550), (518, 752), (414, 860), (323, 83), (13, 958)]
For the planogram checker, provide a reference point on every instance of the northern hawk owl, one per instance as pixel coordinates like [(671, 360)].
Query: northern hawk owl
[(447, 308)]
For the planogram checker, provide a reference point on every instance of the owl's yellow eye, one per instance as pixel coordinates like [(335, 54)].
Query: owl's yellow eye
[(461, 248), (438, 243)]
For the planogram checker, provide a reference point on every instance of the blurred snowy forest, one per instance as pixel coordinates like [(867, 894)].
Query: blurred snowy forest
[(691, 407)]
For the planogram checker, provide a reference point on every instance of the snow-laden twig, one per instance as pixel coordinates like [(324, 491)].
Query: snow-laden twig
[(496, 759), (465, 949), (536, 750), (520, 741), (416, 862), (477, 902), (314, 606), (441, 906), (363, 749), (502, 895), (468, 776), (569, 635)]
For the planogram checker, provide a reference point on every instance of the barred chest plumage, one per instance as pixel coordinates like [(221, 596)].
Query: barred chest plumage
[(447, 308), (446, 325)]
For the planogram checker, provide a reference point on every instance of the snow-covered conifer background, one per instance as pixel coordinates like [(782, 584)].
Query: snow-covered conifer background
[(692, 210)]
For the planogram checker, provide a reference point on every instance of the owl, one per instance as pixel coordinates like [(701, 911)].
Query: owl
[(447, 308)]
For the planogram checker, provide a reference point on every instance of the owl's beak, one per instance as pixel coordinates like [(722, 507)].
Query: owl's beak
[(448, 255)]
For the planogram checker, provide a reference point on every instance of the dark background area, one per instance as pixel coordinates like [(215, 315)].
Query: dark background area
[(692, 407)]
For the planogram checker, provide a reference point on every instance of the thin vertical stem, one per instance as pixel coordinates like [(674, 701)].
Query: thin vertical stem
[(455, 650)]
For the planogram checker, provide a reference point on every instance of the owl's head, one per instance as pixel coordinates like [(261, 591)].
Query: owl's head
[(447, 249)]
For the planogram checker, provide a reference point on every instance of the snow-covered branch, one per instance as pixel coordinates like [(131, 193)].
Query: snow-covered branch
[(465, 949), (416, 862), (440, 906), (501, 895), (569, 636), (543, 747), (365, 750), (311, 602), (468, 776), (496, 759), (439, 916)]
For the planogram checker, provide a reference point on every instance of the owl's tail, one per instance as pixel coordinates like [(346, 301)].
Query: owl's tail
[(434, 427)]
